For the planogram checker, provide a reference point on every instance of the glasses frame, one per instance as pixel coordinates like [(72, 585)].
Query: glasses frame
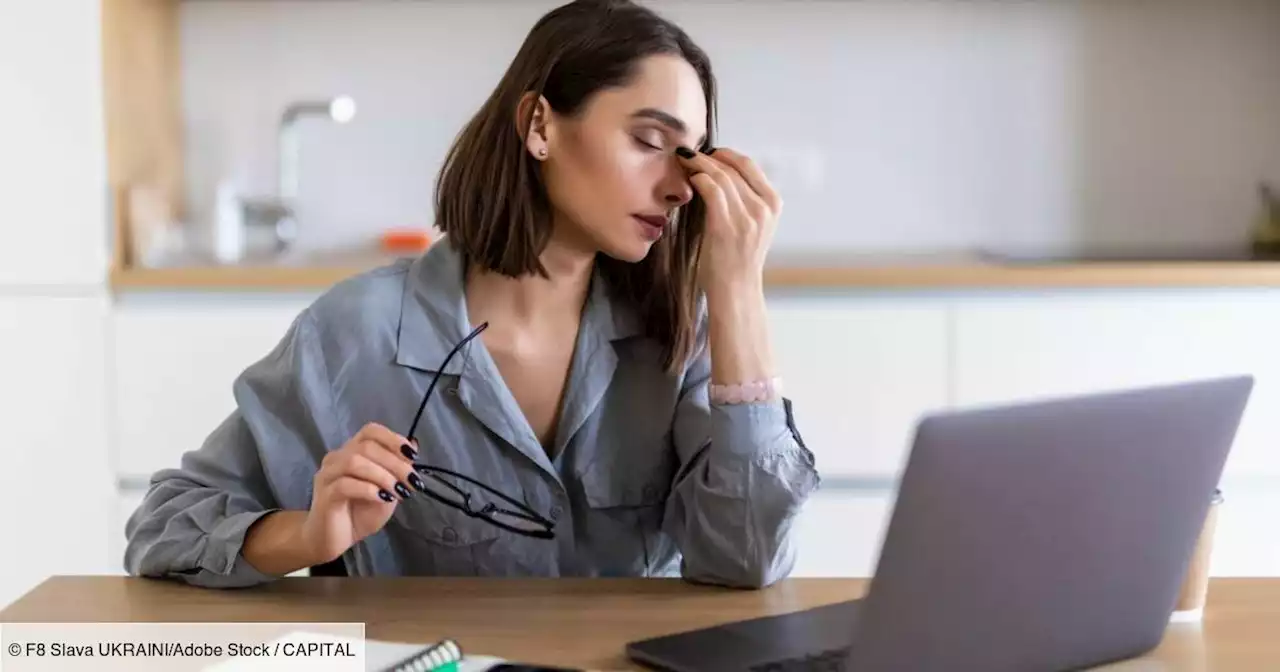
[(485, 512), (546, 526)]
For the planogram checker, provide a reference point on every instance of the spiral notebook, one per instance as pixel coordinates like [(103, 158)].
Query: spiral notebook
[(396, 657), (379, 656)]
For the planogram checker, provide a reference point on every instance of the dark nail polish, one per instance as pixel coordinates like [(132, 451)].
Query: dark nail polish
[(684, 152), (384, 496), (711, 151), (409, 452), (417, 482), (402, 491)]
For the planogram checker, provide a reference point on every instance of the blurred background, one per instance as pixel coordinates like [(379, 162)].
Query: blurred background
[(985, 201)]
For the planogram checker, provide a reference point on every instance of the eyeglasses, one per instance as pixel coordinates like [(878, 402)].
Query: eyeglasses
[(456, 490)]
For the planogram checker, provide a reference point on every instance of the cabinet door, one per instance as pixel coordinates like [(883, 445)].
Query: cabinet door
[(174, 364), (126, 503), (55, 476), (860, 371), (1015, 348), (1245, 538), (52, 151), (839, 533)]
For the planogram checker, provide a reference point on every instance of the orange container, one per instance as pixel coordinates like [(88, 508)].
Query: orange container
[(405, 240)]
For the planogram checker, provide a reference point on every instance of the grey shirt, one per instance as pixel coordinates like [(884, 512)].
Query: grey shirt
[(646, 477)]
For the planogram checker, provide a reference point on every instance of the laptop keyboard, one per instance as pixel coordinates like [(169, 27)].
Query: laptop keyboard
[(831, 660)]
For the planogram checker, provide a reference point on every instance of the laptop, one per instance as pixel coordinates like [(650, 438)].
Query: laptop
[(1042, 535)]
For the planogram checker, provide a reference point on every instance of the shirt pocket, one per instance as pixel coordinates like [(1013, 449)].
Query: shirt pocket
[(626, 493), (432, 539)]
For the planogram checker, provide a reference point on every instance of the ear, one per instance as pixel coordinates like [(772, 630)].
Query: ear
[(533, 117)]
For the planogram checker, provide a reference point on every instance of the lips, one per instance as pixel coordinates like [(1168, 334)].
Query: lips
[(651, 226), (656, 221)]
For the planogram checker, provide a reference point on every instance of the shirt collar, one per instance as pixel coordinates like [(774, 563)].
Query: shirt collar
[(433, 311)]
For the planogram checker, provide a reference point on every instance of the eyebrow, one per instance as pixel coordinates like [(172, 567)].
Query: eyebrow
[(666, 120)]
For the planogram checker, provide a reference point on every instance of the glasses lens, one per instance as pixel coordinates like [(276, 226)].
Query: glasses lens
[(516, 522), (440, 486)]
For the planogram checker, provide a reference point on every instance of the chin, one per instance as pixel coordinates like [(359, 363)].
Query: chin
[(630, 252)]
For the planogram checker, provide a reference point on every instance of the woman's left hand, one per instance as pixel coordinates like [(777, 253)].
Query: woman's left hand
[(742, 214)]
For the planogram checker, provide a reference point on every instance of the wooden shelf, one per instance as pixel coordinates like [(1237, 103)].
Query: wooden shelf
[(975, 273), (229, 278), (784, 271), (311, 273)]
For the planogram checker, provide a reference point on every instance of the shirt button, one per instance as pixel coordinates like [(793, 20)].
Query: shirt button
[(450, 534), (650, 491), (556, 512)]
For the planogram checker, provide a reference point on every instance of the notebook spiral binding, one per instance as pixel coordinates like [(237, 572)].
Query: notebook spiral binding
[(430, 658)]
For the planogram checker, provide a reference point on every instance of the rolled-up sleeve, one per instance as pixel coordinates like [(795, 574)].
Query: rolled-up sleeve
[(192, 523), (745, 475)]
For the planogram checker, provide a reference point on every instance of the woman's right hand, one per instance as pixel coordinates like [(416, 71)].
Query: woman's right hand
[(357, 489)]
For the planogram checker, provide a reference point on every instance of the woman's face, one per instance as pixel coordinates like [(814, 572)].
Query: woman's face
[(611, 173)]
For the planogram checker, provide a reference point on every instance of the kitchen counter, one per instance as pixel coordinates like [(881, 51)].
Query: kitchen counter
[(785, 269)]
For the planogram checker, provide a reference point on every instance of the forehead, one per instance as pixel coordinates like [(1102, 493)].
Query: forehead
[(666, 83)]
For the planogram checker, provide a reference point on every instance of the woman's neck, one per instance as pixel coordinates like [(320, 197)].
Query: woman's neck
[(532, 301)]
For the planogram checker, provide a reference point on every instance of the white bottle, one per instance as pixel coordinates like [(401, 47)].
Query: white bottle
[(228, 224)]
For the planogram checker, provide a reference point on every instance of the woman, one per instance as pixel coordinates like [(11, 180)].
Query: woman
[(616, 413)]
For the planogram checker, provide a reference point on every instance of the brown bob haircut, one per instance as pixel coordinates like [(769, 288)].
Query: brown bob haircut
[(491, 202)]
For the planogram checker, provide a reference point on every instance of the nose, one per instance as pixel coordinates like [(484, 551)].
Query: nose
[(675, 189)]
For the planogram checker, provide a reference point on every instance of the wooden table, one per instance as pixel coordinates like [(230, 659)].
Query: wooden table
[(583, 623)]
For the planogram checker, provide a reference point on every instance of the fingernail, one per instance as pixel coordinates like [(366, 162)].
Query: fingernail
[(402, 491), (417, 482), (684, 152), (384, 496), (409, 452)]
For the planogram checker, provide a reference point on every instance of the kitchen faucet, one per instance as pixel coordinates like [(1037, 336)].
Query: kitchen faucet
[(340, 109), (275, 215)]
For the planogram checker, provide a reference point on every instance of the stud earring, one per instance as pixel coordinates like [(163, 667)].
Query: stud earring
[(542, 152)]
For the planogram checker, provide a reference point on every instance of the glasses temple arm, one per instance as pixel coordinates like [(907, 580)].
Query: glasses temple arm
[(425, 397)]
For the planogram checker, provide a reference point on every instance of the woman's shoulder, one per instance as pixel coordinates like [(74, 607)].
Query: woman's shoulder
[(370, 295), (373, 291), (355, 314)]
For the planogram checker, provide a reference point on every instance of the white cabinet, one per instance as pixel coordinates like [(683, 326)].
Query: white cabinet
[(1246, 542), (839, 533), (860, 371), (52, 148), (1025, 347), (125, 504), (55, 490), (174, 362)]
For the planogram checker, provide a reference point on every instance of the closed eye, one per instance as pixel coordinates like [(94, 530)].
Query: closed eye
[(646, 145)]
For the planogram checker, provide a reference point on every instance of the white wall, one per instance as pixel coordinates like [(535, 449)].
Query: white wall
[(52, 145), (55, 486), (929, 124)]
